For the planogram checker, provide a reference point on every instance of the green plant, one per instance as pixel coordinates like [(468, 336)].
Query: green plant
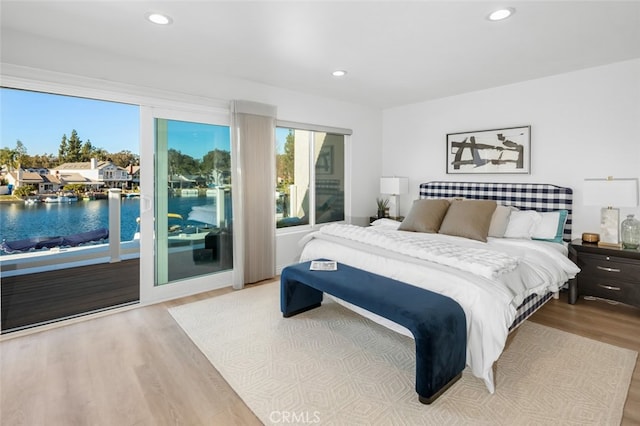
[(25, 190), (74, 187), (382, 203)]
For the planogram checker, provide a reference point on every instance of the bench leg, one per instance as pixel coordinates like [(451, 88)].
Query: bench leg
[(296, 297), (435, 396)]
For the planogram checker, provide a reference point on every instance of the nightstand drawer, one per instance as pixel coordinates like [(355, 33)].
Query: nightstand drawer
[(608, 267), (622, 291)]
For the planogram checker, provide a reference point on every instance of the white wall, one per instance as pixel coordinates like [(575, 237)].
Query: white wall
[(583, 124)]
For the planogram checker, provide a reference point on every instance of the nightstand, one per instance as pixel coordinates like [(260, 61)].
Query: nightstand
[(605, 272)]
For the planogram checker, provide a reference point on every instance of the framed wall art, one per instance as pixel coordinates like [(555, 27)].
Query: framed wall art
[(505, 150), (324, 163)]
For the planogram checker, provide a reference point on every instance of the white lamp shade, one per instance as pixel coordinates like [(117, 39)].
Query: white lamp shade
[(394, 185), (611, 192)]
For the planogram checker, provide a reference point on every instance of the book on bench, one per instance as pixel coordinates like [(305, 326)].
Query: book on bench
[(323, 265)]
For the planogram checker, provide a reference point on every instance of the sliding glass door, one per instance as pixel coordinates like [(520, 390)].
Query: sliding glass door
[(134, 204), (188, 217), (68, 243)]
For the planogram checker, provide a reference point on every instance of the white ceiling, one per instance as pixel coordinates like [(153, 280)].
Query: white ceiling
[(395, 52)]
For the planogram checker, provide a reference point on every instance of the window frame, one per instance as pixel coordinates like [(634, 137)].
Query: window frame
[(314, 129)]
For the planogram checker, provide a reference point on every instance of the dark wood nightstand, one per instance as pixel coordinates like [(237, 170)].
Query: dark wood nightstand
[(605, 272)]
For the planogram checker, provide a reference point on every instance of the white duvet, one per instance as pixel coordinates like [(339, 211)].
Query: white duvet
[(489, 285)]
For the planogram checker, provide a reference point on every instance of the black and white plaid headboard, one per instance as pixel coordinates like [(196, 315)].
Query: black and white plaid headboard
[(525, 196)]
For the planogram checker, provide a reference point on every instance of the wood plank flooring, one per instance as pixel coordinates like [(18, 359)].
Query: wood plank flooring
[(139, 368)]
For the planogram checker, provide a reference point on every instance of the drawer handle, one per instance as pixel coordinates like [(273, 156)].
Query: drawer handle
[(609, 287), (602, 268)]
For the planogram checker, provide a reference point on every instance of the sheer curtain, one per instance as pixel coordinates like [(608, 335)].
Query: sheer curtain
[(253, 157)]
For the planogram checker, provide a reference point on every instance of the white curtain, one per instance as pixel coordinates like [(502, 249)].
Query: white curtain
[(253, 157)]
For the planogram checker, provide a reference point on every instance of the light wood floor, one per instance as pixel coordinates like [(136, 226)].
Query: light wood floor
[(139, 368)]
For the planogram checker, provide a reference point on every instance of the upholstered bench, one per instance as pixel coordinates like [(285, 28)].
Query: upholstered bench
[(437, 322)]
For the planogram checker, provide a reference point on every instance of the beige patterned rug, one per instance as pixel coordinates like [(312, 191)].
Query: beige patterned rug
[(330, 366)]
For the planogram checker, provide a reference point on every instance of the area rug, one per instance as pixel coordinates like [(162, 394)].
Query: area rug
[(330, 366)]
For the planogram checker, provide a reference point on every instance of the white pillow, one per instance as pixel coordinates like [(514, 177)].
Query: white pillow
[(548, 226), (522, 224)]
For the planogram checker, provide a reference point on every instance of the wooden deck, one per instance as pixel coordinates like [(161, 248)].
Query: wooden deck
[(49, 296)]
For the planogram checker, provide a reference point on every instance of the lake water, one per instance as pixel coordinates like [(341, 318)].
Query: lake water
[(21, 221)]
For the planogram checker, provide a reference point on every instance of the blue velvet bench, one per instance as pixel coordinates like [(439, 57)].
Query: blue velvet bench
[(437, 322)]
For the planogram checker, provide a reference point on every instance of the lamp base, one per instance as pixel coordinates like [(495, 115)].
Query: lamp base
[(609, 227)]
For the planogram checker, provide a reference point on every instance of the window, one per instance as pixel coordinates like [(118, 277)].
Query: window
[(305, 160)]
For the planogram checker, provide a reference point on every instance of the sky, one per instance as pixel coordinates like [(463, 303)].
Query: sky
[(39, 120)]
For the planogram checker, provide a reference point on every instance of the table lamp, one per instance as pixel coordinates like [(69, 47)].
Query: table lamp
[(394, 186), (612, 193)]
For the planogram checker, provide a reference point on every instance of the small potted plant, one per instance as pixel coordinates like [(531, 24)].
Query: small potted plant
[(382, 207)]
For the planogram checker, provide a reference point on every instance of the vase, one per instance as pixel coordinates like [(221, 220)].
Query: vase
[(630, 233), (380, 214)]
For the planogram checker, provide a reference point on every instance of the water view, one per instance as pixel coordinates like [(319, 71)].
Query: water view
[(20, 221)]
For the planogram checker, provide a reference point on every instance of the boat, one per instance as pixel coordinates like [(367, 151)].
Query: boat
[(38, 243), (190, 192), (61, 199), (31, 201)]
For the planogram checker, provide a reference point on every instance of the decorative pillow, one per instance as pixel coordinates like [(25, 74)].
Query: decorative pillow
[(500, 220), (425, 216), (468, 219), (551, 226), (522, 223)]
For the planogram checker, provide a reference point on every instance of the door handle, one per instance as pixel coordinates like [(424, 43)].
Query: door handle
[(604, 268), (609, 287)]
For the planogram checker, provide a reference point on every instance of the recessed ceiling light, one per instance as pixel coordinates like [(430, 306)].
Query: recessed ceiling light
[(339, 73), (501, 14), (159, 18)]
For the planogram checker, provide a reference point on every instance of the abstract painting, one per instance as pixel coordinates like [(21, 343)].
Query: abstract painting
[(505, 150)]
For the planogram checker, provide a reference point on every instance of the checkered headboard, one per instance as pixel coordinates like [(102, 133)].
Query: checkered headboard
[(541, 197)]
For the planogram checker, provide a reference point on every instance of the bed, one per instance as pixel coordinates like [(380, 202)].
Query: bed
[(497, 249)]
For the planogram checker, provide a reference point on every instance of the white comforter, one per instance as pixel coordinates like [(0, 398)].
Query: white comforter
[(489, 291)]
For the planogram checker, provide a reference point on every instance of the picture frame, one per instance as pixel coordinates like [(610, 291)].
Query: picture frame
[(324, 163), (506, 150)]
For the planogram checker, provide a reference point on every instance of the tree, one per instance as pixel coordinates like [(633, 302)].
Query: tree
[(21, 153), (76, 188), (181, 164), (86, 153), (62, 150), (217, 163), (7, 157), (47, 161), (285, 162), (14, 158), (100, 154), (124, 158), (24, 190), (74, 149)]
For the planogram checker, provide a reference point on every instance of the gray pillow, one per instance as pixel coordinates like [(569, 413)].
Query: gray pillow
[(468, 219), (500, 220), (425, 216)]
